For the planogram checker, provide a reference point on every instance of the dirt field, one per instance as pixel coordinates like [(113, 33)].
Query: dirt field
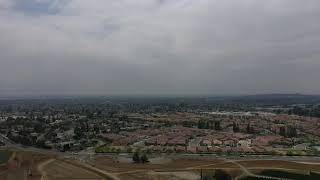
[(185, 175), (280, 164), (43, 167), (190, 168), (62, 170), (22, 165), (187, 169), (112, 165)]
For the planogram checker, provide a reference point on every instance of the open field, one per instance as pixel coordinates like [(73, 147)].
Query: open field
[(62, 170), (46, 167), (23, 164), (181, 168), (277, 164), (113, 165), (185, 175)]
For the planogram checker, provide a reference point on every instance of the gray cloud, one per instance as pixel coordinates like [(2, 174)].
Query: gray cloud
[(159, 47)]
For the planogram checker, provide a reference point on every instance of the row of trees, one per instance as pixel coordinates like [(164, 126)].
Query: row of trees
[(288, 131), (305, 111), (203, 124), (249, 128)]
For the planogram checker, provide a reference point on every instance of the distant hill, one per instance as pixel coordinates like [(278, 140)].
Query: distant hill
[(280, 99)]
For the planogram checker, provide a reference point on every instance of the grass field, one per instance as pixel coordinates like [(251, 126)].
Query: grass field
[(4, 156)]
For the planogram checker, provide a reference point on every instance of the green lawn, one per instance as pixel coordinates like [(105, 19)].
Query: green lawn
[(4, 156)]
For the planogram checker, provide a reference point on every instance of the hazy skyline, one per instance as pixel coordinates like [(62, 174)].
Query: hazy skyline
[(159, 47)]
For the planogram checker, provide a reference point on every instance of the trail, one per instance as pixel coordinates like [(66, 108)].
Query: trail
[(41, 166), (248, 173)]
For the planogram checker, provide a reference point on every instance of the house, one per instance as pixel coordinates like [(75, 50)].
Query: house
[(216, 142), (244, 143), (229, 143), (157, 149), (214, 149), (169, 149), (179, 141), (180, 149), (301, 147), (192, 149), (205, 142), (162, 141), (202, 149)]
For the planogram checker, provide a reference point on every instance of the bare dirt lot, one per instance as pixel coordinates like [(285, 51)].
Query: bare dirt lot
[(190, 168), (44, 167), (274, 164), (62, 170), (21, 165), (113, 165)]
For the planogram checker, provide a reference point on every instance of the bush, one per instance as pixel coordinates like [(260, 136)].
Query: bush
[(144, 158), (136, 157)]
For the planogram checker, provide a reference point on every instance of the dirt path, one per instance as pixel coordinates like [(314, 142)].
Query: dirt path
[(248, 173), (41, 166), (305, 162), (206, 165)]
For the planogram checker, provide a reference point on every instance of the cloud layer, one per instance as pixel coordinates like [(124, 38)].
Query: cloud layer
[(162, 47)]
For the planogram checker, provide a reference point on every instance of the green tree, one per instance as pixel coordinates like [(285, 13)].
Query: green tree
[(222, 175), (136, 157), (217, 125), (209, 176), (144, 158), (235, 127)]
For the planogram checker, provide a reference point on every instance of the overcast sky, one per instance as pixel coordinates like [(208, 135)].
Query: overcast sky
[(159, 47)]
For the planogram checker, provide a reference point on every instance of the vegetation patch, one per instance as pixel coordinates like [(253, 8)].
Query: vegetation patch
[(4, 156)]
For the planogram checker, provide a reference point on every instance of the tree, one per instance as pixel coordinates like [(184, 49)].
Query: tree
[(129, 149), (282, 131), (144, 158), (250, 129), (136, 157), (201, 124), (217, 125), (221, 175), (235, 127), (78, 133), (209, 176), (211, 125), (291, 131)]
